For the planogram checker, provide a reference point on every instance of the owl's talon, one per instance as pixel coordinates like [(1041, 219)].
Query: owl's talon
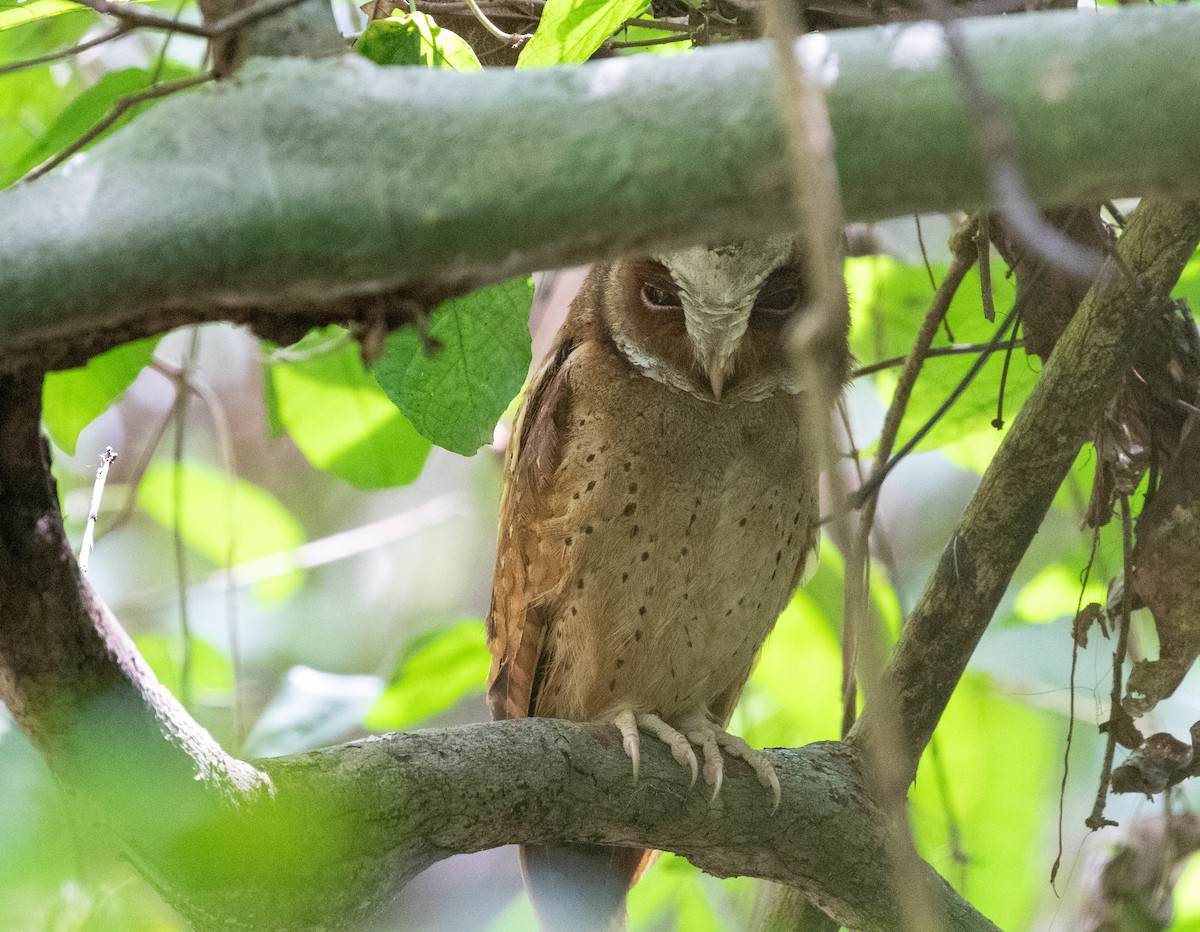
[(737, 747), (626, 721), (681, 748)]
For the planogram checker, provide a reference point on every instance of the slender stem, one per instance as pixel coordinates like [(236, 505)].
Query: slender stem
[(89, 532), (119, 108), (491, 27), (116, 32)]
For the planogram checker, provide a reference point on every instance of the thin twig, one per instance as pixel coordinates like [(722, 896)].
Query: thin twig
[(1097, 819), (983, 240), (89, 532), (664, 25), (186, 381), (114, 33), (995, 343), (1062, 788), (119, 108), (516, 40), (810, 346), (957, 349), (133, 16), (642, 43), (179, 410)]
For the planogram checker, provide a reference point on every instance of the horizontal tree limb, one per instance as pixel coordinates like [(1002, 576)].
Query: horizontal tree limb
[(321, 840), (305, 191)]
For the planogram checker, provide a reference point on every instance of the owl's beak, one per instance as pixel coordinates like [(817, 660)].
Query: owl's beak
[(717, 371)]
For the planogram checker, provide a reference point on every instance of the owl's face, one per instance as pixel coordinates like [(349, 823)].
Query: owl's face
[(709, 321)]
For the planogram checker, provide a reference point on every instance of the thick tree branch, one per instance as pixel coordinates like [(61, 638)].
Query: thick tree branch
[(1082, 375), (327, 190), (323, 839)]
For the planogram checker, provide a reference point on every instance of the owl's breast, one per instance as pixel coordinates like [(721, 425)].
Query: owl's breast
[(682, 524)]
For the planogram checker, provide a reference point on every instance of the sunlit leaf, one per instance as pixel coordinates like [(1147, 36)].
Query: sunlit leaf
[(456, 395), (311, 710), (73, 398), (415, 39), (255, 520), (1186, 898), (437, 670), (211, 673), (15, 13), (571, 30), (340, 418), (1001, 809)]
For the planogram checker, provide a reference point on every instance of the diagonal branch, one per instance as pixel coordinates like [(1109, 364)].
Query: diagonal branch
[(1081, 376)]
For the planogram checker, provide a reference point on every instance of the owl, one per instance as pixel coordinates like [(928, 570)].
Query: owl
[(659, 509)]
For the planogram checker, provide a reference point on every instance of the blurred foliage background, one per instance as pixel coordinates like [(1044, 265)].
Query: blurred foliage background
[(302, 547)]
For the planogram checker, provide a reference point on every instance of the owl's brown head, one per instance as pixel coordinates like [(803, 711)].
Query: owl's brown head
[(709, 320)]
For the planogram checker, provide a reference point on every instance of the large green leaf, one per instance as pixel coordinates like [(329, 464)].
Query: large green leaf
[(73, 398), (213, 512), (571, 30), (415, 39), (1001, 808), (340, 418), (437, 670), (16, 13), (456, 395)]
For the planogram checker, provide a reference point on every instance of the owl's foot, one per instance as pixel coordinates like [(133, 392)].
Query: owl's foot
[(713, 740), (632, 724)]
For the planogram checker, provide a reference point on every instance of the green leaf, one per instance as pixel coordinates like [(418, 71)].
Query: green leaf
[(340, 418), (211, 673), (437, 670), (73, 398), (92, 106), (455, 396), (15, 13), (1001, 810), (255, 520), (415, 39), (571, 30)]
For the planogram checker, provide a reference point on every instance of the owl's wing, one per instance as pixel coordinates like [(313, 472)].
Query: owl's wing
[(519, 620)]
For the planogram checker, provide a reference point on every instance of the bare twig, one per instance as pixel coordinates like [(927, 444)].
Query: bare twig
[(119, 108), (983, 239), (516, 40), (1097, 819), (187, 383), (89, 532), (137, 17), (957, 349), (114, 33)]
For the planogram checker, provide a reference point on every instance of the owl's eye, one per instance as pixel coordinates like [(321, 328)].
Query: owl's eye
[(660, 299), (777, 301)]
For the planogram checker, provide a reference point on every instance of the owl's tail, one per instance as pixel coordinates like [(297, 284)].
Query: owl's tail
[(581, 888)]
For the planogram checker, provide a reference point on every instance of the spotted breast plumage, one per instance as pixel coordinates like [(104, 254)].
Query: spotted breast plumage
[(659, 509)]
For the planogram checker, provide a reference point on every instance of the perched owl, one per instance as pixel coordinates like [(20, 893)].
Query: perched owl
[(659, 509)]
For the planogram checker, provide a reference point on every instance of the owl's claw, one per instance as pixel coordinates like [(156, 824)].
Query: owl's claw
[(713, 741), (629, 724)]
